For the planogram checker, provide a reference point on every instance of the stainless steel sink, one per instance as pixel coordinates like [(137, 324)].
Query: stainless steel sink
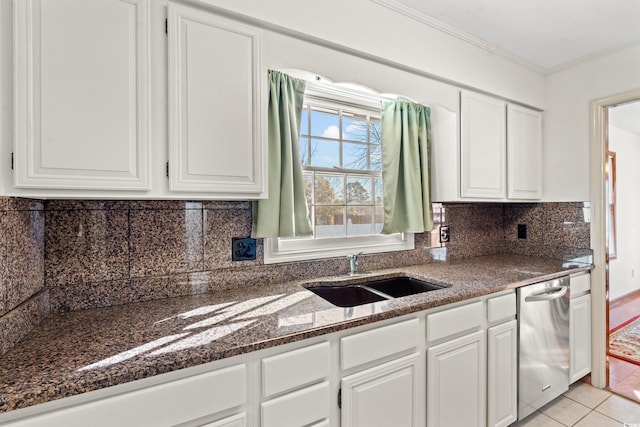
[(373, 291), (347, 295), (401, 286)]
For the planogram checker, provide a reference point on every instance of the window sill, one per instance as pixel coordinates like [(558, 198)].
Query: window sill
[(287, 250)]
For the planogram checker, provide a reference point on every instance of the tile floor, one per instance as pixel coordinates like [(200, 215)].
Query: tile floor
[(585, 406), (624, 378)]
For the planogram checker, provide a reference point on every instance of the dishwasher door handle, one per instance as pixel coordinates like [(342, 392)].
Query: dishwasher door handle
[(548, 294)]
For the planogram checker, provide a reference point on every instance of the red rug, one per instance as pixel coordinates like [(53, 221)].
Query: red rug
[(624, 342)]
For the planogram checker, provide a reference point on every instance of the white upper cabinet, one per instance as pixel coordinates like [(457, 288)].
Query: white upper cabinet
[(81, 94), (483, 147), (498, 157), (93, 118), (215, 106), (524, 152)]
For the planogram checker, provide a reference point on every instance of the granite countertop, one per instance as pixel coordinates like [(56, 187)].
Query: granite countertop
[(76, 352)]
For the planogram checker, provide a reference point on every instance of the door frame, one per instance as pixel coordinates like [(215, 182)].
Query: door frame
[(599, 275)]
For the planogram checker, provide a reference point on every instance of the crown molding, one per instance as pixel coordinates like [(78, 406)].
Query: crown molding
[(412, 13)]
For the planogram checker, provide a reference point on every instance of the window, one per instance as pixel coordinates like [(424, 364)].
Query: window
[(340, 152), (341, 158)]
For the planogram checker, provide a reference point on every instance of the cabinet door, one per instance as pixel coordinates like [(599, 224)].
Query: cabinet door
[(524, 148), (456, 382), (579, 337), (383, 396), (502, 376), (215, 105), (483, 147), (81, 94)]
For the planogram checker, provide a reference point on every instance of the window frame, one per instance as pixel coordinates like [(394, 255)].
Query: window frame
[(277, 250)]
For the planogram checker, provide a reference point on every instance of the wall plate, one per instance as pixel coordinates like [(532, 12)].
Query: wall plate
[(243, 249)]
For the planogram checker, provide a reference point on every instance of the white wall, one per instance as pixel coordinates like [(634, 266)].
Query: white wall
[(370, 28), (624, 271), (566, 118)]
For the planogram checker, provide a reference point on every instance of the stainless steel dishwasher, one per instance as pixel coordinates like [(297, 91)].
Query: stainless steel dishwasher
[(543, 340)]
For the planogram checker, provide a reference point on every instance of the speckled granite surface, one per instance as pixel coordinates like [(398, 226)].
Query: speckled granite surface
[(76, 352)]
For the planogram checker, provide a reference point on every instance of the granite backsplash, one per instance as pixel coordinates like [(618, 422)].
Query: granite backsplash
[(64, 255)]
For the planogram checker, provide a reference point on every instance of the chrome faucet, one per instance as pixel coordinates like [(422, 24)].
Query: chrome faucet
[(353, 263)]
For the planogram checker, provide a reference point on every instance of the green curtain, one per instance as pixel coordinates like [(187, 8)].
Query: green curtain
[(406, 142), (284, 213)]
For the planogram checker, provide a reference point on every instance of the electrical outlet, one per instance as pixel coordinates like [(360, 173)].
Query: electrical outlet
[(243, 249), (522, 231), (445, 234)]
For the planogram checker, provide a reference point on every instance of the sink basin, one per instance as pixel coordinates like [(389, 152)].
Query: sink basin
[(401, 286), (346, 296), (373, 291)]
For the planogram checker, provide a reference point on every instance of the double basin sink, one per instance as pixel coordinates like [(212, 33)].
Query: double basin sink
[(372, 291)]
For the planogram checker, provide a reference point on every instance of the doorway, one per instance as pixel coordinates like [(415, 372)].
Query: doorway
[(622, 225), (599, 274)]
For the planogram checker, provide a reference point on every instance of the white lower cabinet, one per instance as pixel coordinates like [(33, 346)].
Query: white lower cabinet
[(295, 387), (502, 374), (382, 396), (579, 326), (297, 409), (456, 383), (579, 337)]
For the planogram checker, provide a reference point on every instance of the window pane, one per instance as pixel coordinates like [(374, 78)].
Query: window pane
[(304, 151), (304, 123), (308, 189), (359, 221), (359, 190), (325, 124), (325, 154), (329, 221), (329, 189), (378, 191), (379, 218), (376, 158), (355, 156), (374, 131), (354, 128)]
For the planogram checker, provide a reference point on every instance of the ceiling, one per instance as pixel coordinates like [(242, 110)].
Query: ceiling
[(543, 34)]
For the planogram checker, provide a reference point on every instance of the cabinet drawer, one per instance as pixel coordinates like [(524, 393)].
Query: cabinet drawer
[(454, 320), (502, 307), (580, 283), (172, 403), (233, 421), (299, 408), (294, 369), (375, 344)]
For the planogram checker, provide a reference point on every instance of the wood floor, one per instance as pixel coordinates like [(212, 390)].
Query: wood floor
[(624, 377)]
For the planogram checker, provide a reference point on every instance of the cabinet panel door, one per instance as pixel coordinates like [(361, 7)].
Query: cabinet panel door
[(382, 396), (579, 337), (502, 376), (215, 105), (524, 148), (456, 382), (483, 146), (81, 94)]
